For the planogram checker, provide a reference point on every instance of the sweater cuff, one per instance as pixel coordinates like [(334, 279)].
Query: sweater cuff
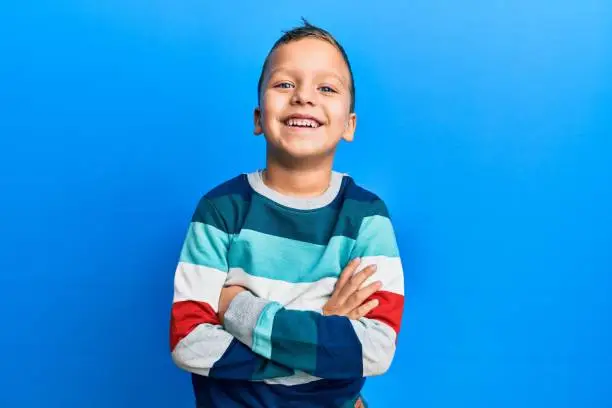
[(242, 315)]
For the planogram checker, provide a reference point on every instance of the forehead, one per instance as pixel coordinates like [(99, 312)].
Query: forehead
[(309, 55)]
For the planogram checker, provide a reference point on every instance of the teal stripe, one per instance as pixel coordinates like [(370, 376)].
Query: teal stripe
[(205, 245), (295, 339), (262, 334), (269, 370), (355, 209), (233, 206), (315, 227), (279, 258), (206, 213), (233, 209), (376, 238)]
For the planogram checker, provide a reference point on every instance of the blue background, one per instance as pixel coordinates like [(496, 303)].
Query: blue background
[(486, 126)]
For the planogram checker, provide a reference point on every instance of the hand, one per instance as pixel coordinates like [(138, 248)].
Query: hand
[(227, 295), (348, 297), (359, 404)]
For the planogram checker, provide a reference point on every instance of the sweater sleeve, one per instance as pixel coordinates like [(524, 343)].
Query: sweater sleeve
[(332, 347), (198, 342)]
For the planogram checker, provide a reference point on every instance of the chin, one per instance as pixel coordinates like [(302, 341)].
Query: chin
[(300, 147), (305, 153)]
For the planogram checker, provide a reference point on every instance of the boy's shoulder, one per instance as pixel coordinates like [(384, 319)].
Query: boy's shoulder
[(368, 201), (235, 186), (356, 191), (223, 204)]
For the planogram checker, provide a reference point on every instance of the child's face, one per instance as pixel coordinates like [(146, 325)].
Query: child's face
[(305, 100)]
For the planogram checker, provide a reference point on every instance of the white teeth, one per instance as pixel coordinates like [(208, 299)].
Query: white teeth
[(302, 123)]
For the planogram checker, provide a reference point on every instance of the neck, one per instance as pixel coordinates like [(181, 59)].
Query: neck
[(298, 181)]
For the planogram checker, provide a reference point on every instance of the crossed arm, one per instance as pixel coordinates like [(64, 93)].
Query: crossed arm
[(258, 339)]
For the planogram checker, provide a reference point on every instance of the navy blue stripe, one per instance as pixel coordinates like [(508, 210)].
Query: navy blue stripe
[(236, 186), (212, 392), (239, 362), (339, 351)]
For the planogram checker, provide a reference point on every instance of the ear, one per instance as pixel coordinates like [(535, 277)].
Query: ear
[(349, 127), (258, 128)]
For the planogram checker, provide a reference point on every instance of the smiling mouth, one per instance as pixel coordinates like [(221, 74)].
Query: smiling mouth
[(302, 123)]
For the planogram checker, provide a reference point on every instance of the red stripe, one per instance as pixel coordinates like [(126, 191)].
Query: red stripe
[(389, 310), (186, 316)]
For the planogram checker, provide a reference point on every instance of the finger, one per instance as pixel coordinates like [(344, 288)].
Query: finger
[(364, 275), (346, 274), (363, 310), (329, 307), (357, 298), (355, 283)]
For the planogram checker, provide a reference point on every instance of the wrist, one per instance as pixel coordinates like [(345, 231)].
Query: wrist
[(228, 295), (242, 316)]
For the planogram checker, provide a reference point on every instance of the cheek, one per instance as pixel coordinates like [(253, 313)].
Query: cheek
[(273, 105), (338, 113)]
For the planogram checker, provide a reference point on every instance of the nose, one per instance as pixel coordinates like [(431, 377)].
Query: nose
[(303, 95)]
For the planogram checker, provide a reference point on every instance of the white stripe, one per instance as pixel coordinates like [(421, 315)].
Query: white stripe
[(389, 271), (377, 344), (198, 283), (298, 378), (314, 295), (201, 348), (294, 296)]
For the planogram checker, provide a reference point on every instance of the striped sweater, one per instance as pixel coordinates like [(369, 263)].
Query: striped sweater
[(275, 347)]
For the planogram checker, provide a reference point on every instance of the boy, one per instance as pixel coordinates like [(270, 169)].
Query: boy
[(289, 288)]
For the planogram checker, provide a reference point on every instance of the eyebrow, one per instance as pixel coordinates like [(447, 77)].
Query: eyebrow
[(340, 78)]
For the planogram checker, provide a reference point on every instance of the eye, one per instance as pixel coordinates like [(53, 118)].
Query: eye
[(327, 89), (283, 85)]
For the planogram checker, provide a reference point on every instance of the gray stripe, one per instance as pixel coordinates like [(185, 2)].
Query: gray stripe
[(201, 348), (299, 203), (378, 345), (241, 317)]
